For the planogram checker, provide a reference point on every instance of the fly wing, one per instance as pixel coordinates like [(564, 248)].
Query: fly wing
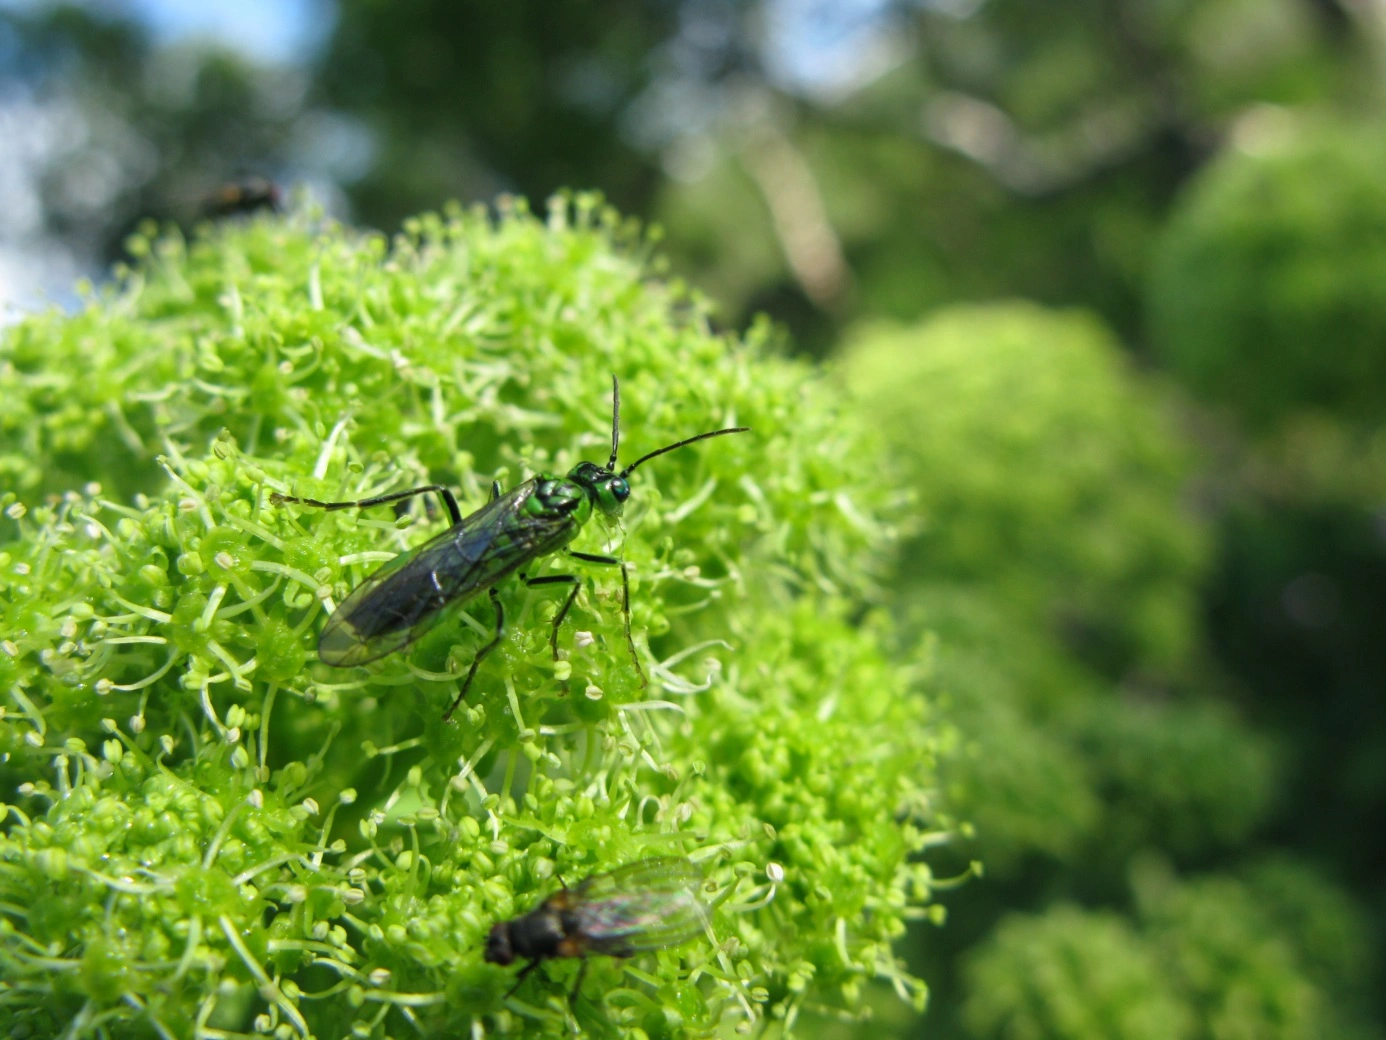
[(642, 906), (405, 597)]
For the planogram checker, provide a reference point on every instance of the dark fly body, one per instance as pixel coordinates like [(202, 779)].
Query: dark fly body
[(246, 195), (646, 905), (406, 597)]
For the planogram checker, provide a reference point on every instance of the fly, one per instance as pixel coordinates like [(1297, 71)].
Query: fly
[(646, 905), (246, 195), (406, 597)]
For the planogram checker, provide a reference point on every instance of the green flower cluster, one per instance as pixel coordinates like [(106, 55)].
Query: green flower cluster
[(228, 838), (1118, 798), (1265, 290), (1052, 558), (1042, 473), (1216, 957)]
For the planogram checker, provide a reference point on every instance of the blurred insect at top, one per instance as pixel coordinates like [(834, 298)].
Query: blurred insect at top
[(646, 905), (244, 195)]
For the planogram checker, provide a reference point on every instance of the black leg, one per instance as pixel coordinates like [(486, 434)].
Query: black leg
[(577, 983), (558, 579), (630, 640), (495, 490), (608, 561), (480, 654), (454, 513), (520, 978), (605, 561)]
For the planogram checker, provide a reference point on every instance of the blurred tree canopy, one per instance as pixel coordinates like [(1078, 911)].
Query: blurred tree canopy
[(1266, 289), (469, 100), (1107, 276), (959, 149)]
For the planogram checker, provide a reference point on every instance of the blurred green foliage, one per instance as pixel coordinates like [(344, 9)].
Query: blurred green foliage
[(1006, 685), (1071, 974), (1207, 959), (443, 91), (1056, 568), (1041, 471), (1266, 289)]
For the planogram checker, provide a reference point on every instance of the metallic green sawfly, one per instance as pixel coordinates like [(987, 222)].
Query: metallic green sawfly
[(405, 598)]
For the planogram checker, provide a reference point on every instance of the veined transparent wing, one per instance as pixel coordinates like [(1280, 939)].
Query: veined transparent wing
[(645, 905), (405, 597)]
